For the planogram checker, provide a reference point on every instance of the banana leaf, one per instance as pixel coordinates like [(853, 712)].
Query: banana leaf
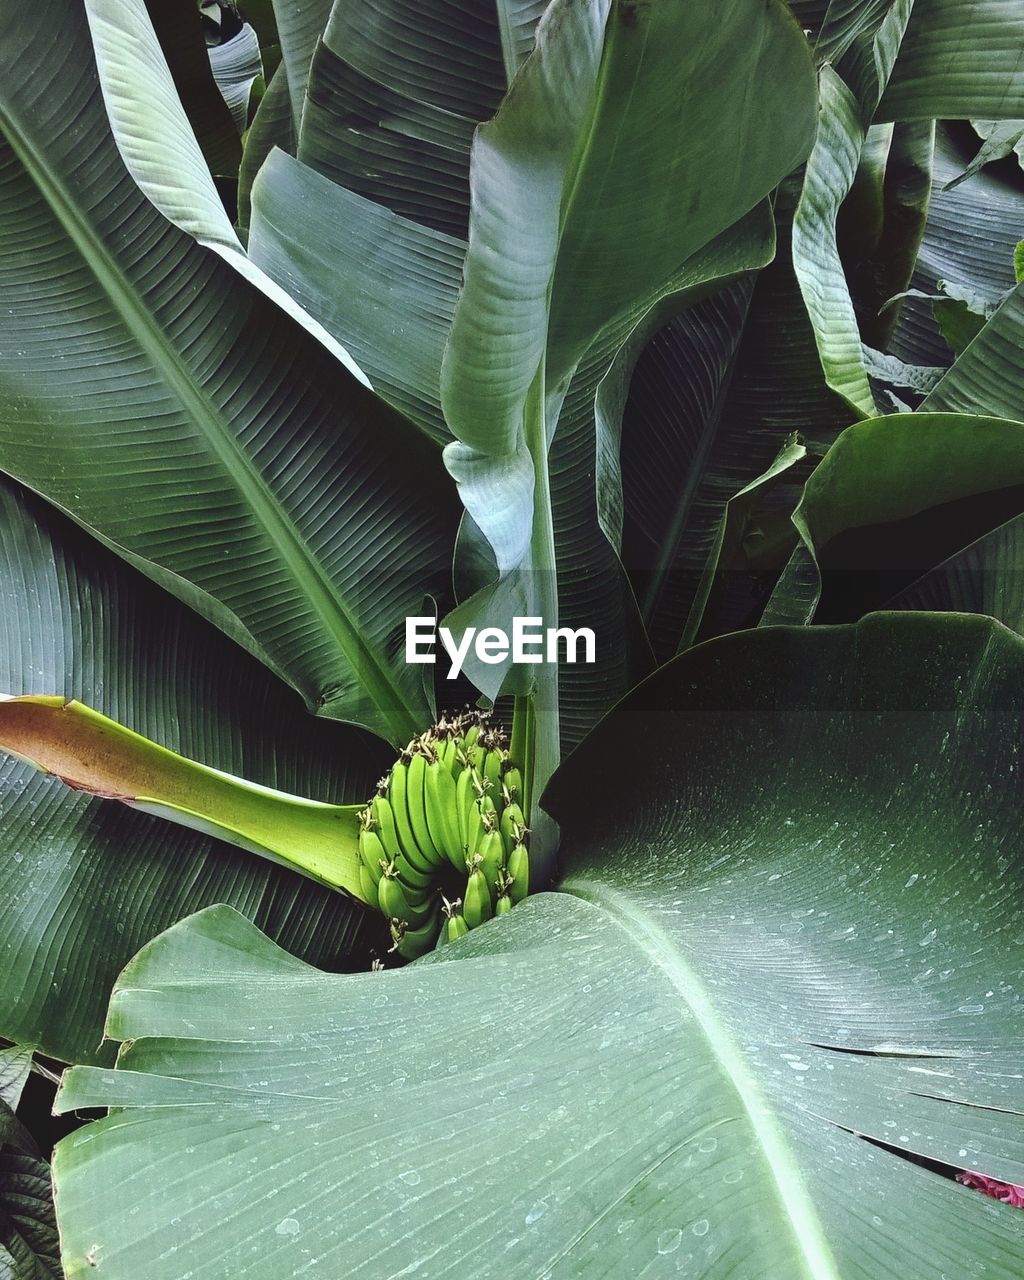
[(271, 127), (967, 245), (29, 1249), (999, 138), (748, 1036), (300, 24), (554, 259), (84, 882), (988, 377), (159, 360), (716, 396), (963, 473), (179, 29), (987, 576), (393, 284), (237, 65), (902, 62)]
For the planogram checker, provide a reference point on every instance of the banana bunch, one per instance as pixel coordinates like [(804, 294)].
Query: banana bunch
[(443, 843)]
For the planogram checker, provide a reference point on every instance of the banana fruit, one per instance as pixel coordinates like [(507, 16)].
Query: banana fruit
[(447, 826)]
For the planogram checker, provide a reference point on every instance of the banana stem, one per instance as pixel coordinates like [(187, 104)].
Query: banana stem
[(90, 752), (542, 721), (521, 745)]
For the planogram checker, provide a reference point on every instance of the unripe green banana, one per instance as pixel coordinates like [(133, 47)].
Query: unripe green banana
[(492, 859), (455, 927), (400, 903), (476, 901), (416, 799), (452, 798), (408, 874), (512, 779), (441, 813), (512, 825), (482, 818), (371, 853), (413, 943), (493, 762), (397, 794), (368, 887), (503, 905), (447, 755), (384, 824), (465, 799), (518, 873)]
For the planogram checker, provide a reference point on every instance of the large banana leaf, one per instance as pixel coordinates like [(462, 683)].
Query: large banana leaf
[(179, 29), (83, 882), (879, 475), (586, 197), (958, 62), (988, 377), (300, 24), (385, 287), (985, 577), (786, 959), (392, 118), (237, 65), (893, 60), (850, 93), (968, 244), (169, 404), (716, 396)]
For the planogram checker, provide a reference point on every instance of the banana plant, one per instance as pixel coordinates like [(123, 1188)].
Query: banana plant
[(737, 1042), (754, 1025), (259, 458)]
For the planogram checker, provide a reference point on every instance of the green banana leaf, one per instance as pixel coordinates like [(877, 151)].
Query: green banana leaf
[(999, 138), (403, 153), (985, 577), (958, 62), (743, 522), (968, 245), (29, 1249), (988, 377), (444, 53), (716, 396), (518, 25), (849, 94), (293, 507), (554, 258), (237, 65), (84, 882), (890, 61), (300, 24), (741, 1041), (159, 147), (179, 29), (889, 470), (271, 128), (385, 287)]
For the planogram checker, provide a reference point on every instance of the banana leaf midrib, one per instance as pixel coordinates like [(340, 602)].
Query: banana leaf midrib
[(795, 1203), (265, 507)]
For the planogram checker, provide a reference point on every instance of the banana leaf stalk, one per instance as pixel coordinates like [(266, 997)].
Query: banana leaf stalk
[(90, 752)]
